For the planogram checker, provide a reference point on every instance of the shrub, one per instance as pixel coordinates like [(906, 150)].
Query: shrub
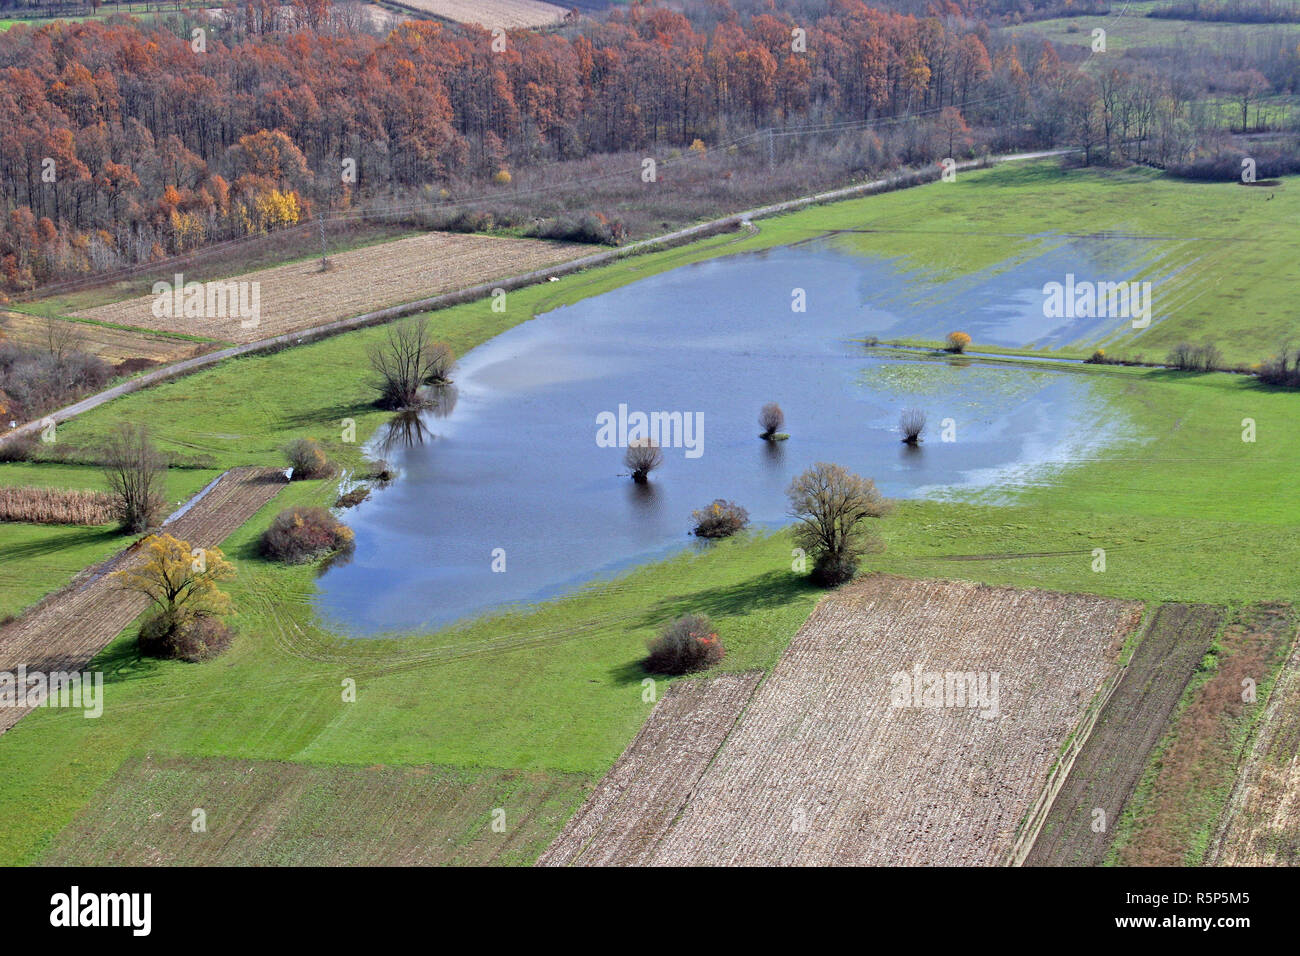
[(18, 448), (299, 535), (956, 342), (643, 456), (1281, 370), (198, 637), (502, 177), (353, 498), (911, 423), (770, 417), (1194, 358), (688, 644), (720, 519), (307, 459)]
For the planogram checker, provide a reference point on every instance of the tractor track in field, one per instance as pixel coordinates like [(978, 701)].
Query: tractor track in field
[(64, 631)]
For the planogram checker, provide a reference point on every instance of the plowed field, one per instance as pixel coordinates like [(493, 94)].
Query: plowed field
[(299, 296)]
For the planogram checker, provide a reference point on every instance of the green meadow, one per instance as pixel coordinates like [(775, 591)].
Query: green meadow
[(1182, 507)]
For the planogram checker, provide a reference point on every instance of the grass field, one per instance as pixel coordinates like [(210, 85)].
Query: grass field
[(1128, 27), (1185, 790), (1185, 509)]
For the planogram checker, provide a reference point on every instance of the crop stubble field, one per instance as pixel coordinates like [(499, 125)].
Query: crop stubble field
[(823, 769), (299, 296), (1135, 717), (1262, 825), (655, 776)]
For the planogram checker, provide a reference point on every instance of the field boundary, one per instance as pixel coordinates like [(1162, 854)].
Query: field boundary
[(1042, 807), (901, 180)]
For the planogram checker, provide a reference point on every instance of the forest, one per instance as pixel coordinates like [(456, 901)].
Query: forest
[(129, 141)]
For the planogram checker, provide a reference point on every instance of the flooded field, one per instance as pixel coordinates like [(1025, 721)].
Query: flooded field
[(515, 472)]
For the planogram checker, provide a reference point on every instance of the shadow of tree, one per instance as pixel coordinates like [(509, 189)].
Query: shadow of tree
[(762, 592)]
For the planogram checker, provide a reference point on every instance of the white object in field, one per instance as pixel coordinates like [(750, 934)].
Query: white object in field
[(553, 279)]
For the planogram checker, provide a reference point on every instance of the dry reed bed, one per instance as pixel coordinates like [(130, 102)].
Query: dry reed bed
[(55, 506)]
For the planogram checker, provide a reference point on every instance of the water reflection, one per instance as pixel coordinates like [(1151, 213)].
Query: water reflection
[(517, 465)]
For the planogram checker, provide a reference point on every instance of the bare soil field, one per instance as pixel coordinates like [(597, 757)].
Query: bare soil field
[(1186, 791), (830, 765), (642, 794), (507, 14), (112, 345), (1133, 720), (299, 296), (262, 813), (69, 627), (1262, 822)]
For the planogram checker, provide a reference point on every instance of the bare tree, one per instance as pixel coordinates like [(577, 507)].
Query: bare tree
[(771, 418), (830, 504), (643, 456), (62, 338), (136, 472), (407, 361), (911, 423)]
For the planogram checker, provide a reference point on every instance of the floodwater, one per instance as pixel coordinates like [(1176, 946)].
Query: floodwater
[(509, 472)]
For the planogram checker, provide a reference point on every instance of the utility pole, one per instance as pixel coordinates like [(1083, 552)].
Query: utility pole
[(771, 150), (324, 259)]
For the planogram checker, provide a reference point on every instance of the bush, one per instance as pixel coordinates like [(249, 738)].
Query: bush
[(831, 570), (352, 498), (956, 342), (642, 457), (720, 519), (688, 644), (1194, 358), (194, 638), (911, 423), (770, 417), (19, 448), (299, 535), (307, 459)]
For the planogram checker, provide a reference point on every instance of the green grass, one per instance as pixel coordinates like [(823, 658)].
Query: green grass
[(38, 559), (1128, 27), (1184, 509)]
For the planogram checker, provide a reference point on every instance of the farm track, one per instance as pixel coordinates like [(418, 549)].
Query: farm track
[(638, 800), (1261, 824), (67, 629), (1131, 723), (822, 769)]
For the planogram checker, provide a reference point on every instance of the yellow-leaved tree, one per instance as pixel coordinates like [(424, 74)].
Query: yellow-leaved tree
[(180, 581)]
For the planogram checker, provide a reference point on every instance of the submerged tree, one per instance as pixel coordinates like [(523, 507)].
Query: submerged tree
[(406, 361), (912, 423), (771, 418), (643, 456)]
